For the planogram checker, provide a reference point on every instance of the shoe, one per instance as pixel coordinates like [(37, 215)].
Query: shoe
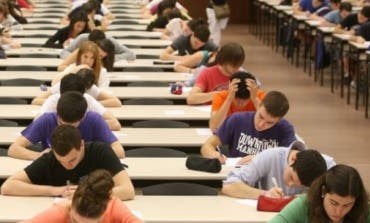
[(353, 84)]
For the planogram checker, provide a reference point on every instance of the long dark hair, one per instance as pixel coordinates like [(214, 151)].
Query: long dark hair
[(341, 180), (92, 196), (79, 17), (108, 47)]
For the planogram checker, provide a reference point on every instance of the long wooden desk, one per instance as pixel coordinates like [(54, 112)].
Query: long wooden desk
[(138, 169), (126, 112), (172, 137), (154, 209), (54, 62), (128, 42), (56, 21), (120, 92), (114, 77), (56, 52)]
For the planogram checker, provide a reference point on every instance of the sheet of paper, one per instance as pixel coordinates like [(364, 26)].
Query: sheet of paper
[(119, 134), (138, 214), (232, 162), (204, 132), (249, 202), (205, 108)]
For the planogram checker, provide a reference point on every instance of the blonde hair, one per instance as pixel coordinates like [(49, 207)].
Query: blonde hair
[(89, 46)]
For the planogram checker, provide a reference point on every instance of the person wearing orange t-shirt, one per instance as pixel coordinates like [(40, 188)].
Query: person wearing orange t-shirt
[(243, 95)]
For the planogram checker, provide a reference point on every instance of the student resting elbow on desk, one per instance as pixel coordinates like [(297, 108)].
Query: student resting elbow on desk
[(69, 162), (338, 195), (249, 133), (229, 60), (71, 110), (278, 172), (243, 95)]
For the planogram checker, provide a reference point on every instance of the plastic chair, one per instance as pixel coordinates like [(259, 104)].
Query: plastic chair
[(179, 189), (160, 124), (155, 152), (147, 84), (22, 82), (7, 123), (147, 101), (12, 101), (3, 152)]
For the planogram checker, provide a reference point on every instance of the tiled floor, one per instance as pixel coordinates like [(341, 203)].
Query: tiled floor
[(323, 119)]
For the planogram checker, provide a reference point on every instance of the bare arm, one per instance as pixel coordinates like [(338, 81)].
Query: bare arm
[(189, 62), (112, 121), (70, 59), (208, 149), (167, 54), (123, 188), (108, 100), (197, 96), (20, 185), (241, 190), (18, 149), (40, 99), (118, 149)]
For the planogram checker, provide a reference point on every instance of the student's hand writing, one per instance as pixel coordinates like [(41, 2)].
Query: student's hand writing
[(221, 157), (275, 192), (245, 159), (69, 191)]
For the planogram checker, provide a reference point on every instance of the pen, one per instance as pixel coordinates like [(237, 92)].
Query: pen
[(124, 165), (219, 150), (274, 182)]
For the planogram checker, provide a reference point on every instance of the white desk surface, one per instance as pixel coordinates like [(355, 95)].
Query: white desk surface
[(34, 26), (129, 42), (54, 62), (172, 137), (126, 112), (56, 21), (56, 52), (153, 209), (140, 168), (120, 92), (116, 77)]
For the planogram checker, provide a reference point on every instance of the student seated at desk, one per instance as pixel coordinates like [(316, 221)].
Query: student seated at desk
[(249, 133), (88, 76), (166, 11), (64, 35), (336, 16), (243, 95), (187, 45), (72, 82), (69, 162), (92, 202), (229, 60), (337, 196), (88, 56), (277, 172), (308, 7), (175, 28), (71, 110), (151, 8), (7, 21), (121, 52)]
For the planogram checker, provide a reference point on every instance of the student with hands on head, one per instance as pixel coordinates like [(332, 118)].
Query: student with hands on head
[(337, 196), (293, 168), (249, 133), (243, 95), (70, 160), (92, 202)]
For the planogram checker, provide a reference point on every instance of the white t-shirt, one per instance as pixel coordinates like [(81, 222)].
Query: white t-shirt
[(50, 105), (174, 26), (94, 91)]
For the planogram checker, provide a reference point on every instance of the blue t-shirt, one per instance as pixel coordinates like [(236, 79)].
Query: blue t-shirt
[(239, 133), (92, 128), (333, 17), (306, 5)]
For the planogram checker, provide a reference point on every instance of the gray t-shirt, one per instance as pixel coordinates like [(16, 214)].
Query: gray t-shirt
[(266, 165), (183, 46)]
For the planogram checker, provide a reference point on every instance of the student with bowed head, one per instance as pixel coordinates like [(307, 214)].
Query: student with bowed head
[(337, 196), (92, 202)]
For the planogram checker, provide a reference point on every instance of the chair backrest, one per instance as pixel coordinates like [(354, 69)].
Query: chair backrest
[(147, 101), (154, 152), (38, 55), (160, 124), (148, 84), (7, 123), (13, 101), (22, 82), (3, 152), (180, 189)]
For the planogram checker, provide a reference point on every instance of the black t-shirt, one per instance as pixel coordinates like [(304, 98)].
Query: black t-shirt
[(183, 46), (364, 31), (349, 22), (47, 170)]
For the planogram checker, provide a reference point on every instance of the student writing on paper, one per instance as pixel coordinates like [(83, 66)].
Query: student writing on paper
[(70, 160), (249, 133), (293, 167), (338, 196), (92, 202)]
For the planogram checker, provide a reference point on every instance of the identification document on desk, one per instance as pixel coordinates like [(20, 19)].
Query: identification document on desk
[(249, 202), (233, 162)]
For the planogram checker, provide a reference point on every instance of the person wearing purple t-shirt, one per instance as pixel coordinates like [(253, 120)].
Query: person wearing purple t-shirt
[(249, 133), (71, 110)]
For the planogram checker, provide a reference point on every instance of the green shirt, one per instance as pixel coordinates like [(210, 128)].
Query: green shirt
[(296, 212)]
